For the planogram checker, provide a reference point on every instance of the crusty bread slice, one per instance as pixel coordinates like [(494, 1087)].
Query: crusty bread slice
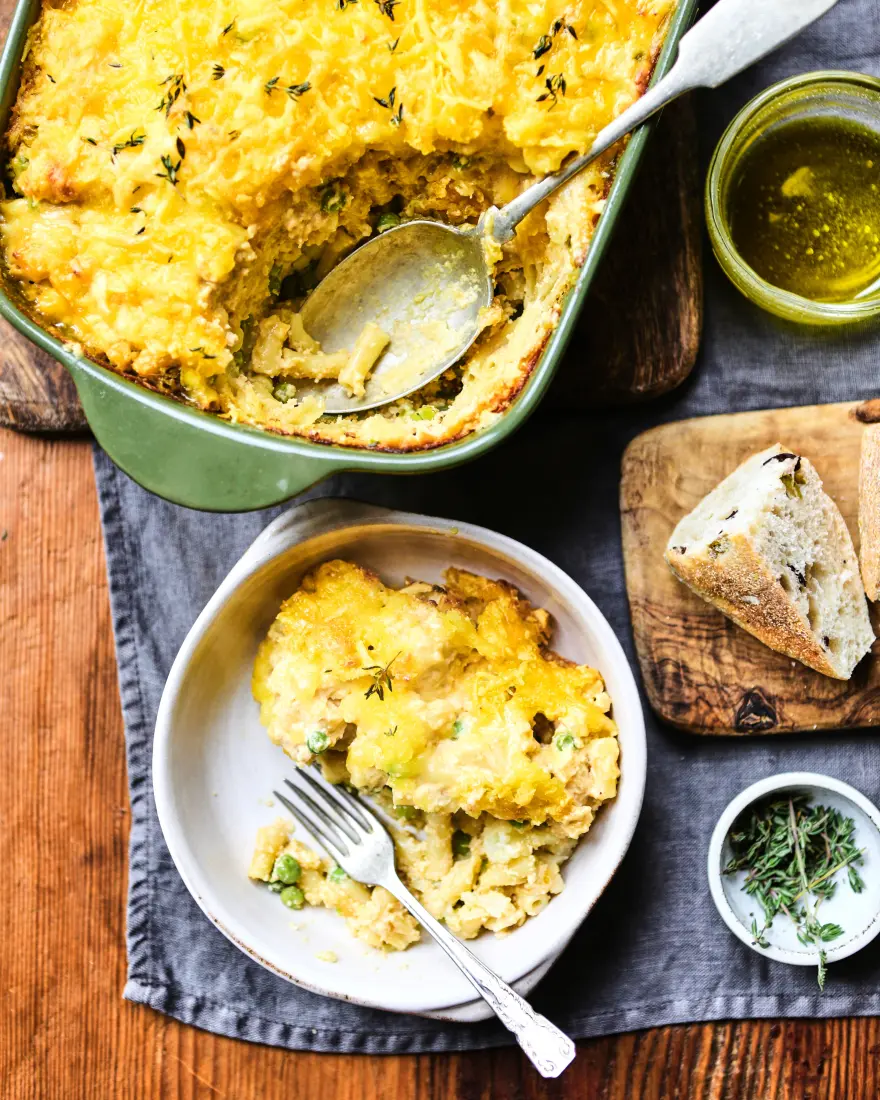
[(869, 510), (770, 548)]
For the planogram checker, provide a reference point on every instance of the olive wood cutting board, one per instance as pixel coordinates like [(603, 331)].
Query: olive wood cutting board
[(636, 338), (702, 673)]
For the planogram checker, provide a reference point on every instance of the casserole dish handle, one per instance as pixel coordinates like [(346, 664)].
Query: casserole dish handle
[(187, 462)]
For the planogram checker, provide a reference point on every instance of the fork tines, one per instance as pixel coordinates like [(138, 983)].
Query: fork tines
[(328, 814)]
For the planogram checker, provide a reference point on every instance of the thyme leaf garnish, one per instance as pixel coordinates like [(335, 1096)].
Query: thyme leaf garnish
[(381, 679), (269, 86), (545, 42), (191, 119), (90, 141), (296, 90), (227, 28), (392, 47), (217, 71), (386, 7), (388, 101), (133, 142), (555, 86), (176, 87), (181, 148), (171, 171), (341, 5), (790, 852)]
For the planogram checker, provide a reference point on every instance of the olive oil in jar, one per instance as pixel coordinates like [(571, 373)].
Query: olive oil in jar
[(805, 208)]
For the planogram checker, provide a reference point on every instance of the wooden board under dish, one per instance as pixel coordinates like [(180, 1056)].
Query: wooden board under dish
[(636, 338), (702, 673)]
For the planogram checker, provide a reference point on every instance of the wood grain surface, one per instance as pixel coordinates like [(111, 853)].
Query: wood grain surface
[(637, 336), (66, 1033), (701, 672)]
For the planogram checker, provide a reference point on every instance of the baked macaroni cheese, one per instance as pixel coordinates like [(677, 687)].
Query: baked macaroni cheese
[(492, 753)]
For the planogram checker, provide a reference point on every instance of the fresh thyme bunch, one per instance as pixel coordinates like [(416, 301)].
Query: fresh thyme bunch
[(790, 852)]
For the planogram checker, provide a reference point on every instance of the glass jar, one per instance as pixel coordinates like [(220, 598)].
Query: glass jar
[(850, 96)]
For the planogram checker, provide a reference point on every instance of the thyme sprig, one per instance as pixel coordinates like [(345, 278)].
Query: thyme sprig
[(132, 143), (176, 86), (545, 42), (790, 852), (296, 90), (555, 86), (381, 679), (386, 7), (388, 103), (171, 170)]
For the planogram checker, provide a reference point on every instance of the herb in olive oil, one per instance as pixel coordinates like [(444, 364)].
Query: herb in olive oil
[(805, 208)]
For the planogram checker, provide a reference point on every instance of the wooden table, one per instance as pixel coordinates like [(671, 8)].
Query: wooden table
[(66, 1033)]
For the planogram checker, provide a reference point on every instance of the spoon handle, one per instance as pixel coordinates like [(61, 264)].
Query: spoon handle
[(730, 37)]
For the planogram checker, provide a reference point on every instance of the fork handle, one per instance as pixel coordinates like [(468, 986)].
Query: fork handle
[(547, 1048)]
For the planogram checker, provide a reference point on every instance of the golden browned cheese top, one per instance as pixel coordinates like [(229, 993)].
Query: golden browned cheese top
[(155, 145)]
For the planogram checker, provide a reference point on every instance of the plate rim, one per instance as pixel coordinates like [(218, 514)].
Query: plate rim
[(300, 524)]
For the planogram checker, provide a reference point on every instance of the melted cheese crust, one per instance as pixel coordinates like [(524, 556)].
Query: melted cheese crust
[(174, 162), (447, 696), (446, 705)]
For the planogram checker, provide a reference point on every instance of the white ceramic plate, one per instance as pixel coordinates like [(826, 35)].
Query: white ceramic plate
[(214, 767), (857, 914)]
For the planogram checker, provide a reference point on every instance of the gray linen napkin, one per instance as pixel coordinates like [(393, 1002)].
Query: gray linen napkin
[(653, 951)]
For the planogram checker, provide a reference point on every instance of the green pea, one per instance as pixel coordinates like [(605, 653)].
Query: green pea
[(292, 897), (283, 392), (276, 887), (387, 221), (333, 198), (286, 869), (564, 740), (337, 875), (457, 727), (461, 844), (276, 277), (405, 812), (317, 741)]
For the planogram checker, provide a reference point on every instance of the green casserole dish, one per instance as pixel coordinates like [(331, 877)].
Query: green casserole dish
[(196, 459)]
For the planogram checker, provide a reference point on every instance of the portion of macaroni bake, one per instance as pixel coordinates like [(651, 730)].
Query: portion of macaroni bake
[(491, 752), (184, 174)]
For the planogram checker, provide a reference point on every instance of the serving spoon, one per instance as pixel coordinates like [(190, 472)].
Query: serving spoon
[(424, 283)]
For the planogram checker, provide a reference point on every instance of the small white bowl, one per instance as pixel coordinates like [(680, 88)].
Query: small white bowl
[(214, 767), (857, 914)]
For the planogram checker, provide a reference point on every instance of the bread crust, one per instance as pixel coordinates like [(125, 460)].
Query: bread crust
[(869, 511), (740, 584)]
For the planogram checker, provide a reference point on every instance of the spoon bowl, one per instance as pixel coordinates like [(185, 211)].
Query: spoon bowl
[(424, 284)]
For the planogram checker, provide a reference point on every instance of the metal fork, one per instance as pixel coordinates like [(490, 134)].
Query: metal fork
[(352, 835)]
